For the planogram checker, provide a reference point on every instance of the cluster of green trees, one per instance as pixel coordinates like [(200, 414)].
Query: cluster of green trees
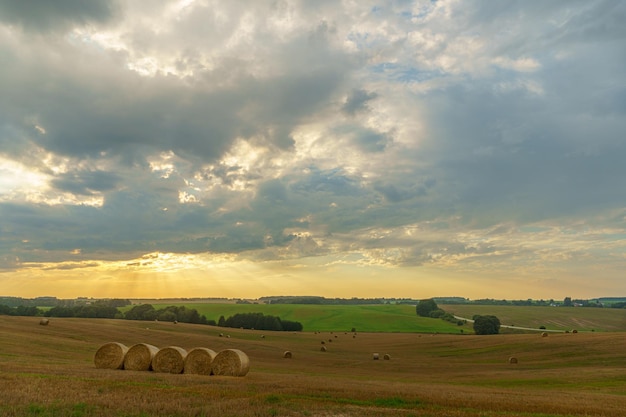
[(6, 310), (259, 321), (486, 324), (429, 308), (170, 313), (88, 311)]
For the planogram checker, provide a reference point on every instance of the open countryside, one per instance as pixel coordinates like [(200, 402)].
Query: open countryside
[(49, 370), (402, 317)]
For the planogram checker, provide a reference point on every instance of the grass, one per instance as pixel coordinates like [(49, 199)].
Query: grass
[(49, 371)]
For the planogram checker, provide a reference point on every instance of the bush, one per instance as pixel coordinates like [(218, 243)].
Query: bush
[(425, 307), (486, 325)]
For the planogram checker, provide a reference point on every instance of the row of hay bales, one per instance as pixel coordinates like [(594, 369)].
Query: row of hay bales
[(172, 359)]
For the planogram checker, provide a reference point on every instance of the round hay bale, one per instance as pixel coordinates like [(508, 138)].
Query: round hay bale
[(375, 356), (44, 322), (169, 360), (139, 357), (574, 331), (387, 357), (323, 349), (512, 360), (110, 356), (287, 354), (544, 334), (198, 361), (230, 362)]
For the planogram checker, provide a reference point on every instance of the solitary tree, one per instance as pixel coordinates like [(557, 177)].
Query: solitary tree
[(567, 302), (425, 307), (486, 325)]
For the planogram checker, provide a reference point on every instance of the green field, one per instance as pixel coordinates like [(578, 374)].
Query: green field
[(398, 318), (401, 318), (553, 318)]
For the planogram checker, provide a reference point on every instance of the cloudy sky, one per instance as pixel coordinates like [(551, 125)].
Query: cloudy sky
[(157, 148)]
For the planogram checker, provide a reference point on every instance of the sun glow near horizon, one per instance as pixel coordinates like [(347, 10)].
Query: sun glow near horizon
[(170, 275)]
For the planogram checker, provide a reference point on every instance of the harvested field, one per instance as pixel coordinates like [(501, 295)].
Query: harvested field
[(442, 375)]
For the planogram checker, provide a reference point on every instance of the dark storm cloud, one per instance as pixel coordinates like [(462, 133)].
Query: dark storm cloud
[(86, 182), (47, 16)]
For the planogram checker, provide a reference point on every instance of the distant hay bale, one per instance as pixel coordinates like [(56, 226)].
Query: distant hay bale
[(512, 360), (574, 331), (139, 357), (169, 360), (544, 334), (387, 357), (110, 356), (375, 356), (287, 354), (221, 334), (230, 362), (323, 342), (198, 361), (323, 349), (44, 322)]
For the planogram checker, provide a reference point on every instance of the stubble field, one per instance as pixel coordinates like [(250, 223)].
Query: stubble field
[(49, 371)]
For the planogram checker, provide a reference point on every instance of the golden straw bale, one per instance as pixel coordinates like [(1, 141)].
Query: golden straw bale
[(110, 356), (544, 334), (139, 357), (512, 360), (375, 356), (230, 362), (170, 360), (44, 322), (198, 361), (323, 349), (287, 354), (387, 357)]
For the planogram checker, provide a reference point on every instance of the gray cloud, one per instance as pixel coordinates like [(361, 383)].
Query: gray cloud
[(357, 101), (45, 16), (404, 134)]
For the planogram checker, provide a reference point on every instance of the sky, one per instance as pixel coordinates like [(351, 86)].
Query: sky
[(409, 149)]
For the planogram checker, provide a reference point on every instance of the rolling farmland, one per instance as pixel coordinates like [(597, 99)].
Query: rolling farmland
[(49, 371)]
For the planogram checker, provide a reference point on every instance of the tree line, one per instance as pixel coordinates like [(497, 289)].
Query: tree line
[(259, 321), (147, 312)]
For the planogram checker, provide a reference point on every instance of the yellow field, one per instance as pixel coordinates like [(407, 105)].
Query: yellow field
[(49, 371)]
